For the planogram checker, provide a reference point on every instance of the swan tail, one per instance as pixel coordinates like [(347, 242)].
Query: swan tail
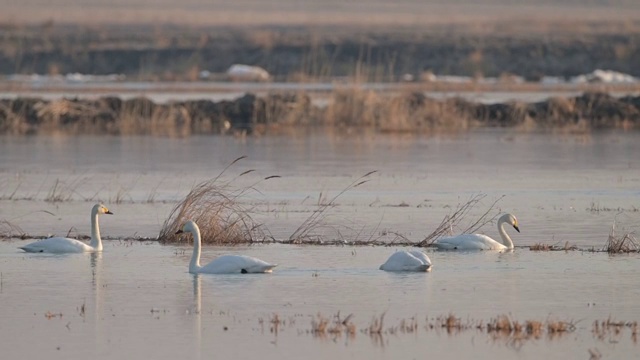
[(260, 269), (425, 267), (29, 249)]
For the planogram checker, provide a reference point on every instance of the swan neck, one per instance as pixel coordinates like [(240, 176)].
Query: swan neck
[(96, 241), (506, 239), (194, 266)]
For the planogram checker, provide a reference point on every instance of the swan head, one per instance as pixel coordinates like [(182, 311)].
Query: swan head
[(189, 226), (511, 220), (101, 209)]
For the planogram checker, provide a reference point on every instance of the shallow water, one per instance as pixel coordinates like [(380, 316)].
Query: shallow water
[(141, 302)]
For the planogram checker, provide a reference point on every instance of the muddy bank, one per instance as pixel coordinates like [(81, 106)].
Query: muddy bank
[(302, 53), (411, 112)]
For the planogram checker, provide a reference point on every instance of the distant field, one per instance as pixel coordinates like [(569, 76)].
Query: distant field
[(320, 40), (315, 12)]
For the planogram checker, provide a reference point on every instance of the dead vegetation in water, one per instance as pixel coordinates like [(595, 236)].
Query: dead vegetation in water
[(323, 327), (611, 331), (214, 205), (307, 231), (625, 243), (597, 208), (553, 247), (9, 230), (501, 328)]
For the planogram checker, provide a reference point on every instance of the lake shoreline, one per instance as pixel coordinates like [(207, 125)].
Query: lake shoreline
[(406, 112)]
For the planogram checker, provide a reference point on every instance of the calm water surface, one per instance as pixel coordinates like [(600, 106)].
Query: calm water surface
[(139, 300)]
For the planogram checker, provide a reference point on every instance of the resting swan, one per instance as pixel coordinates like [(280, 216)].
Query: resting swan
[(61, 245), (479, 241), (414, 260), (226, 264)]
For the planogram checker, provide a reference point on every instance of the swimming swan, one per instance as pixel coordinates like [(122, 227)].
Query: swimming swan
[(414, 260), (479, 241), (226, 264), (61, 245)]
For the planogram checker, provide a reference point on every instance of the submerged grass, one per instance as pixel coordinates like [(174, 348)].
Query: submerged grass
[(214, 205)]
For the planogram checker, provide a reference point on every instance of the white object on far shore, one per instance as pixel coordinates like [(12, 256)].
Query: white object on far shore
[(239, 72)]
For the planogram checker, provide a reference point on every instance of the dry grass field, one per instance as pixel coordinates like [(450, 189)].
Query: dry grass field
[(318, 13), (321, 41)]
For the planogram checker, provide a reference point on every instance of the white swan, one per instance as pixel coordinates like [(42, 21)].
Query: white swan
[(479, 241), (226, 264), (61, 245), (414, 260)]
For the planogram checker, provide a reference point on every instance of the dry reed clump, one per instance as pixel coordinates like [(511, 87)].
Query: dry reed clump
[(143, 116), (9, 230), (450, 323), (626, 243), (556, 328), (291, 109), (214, 205), (322, 326), (408, 112)]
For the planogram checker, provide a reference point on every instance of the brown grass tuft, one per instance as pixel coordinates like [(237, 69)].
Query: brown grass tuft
[(214, 205), (407, 112), (621, 244), (534, 328)]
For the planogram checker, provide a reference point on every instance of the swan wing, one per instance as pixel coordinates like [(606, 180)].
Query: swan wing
[(57, 245), (468, 242), (422, 256), (407, 261), (236, 264)]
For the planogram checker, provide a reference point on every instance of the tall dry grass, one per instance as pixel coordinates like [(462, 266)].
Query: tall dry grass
[(215, 205), (306, 232), (407, 112), (624, 243), (10, 230)]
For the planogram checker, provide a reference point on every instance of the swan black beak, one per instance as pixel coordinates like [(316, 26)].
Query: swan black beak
[(516, 227), (109, 212), (179, 232)]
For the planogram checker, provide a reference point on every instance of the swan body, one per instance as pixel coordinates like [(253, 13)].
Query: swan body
[(414, 260), (62, 245), (479, 241), (226, 264)]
